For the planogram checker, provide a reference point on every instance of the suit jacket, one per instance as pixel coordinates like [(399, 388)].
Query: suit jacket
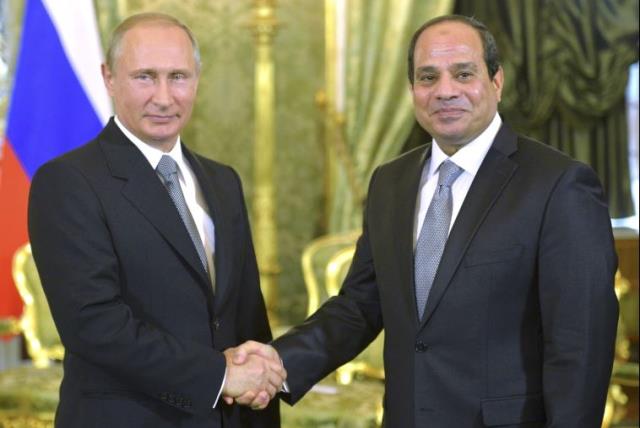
[(519, 327), (142, 329)]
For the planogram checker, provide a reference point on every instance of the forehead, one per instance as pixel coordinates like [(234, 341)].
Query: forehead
[(155, 44), (449, 39)]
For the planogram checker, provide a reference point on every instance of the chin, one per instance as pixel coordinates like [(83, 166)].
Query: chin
[(162, 134), (448, 134)]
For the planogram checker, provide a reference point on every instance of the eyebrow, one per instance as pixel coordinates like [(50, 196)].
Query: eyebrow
[(154, 71), (144, 70), (454, 67), (464, 66)]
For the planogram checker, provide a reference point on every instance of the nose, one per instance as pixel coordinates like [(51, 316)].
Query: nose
[(446, 88), (162, 93)]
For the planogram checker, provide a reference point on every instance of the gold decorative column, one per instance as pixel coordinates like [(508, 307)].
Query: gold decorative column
[(264, 25)]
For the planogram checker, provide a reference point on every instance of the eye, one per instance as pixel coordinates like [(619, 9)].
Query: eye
[(143, 77), (465, 75), (178, 76), (427, 78)]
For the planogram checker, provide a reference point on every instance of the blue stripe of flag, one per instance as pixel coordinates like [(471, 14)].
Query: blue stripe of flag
[(49, 112)]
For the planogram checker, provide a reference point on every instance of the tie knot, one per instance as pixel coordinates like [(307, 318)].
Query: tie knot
[(449, 172), (167, 167)]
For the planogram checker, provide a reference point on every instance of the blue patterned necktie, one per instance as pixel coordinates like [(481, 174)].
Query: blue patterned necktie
[(168, 170), (434, 233)]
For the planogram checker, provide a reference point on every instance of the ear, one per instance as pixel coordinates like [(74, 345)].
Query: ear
[(498, 83), (107, 77)]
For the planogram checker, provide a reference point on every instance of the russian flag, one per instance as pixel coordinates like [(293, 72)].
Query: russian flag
[(58, 102)]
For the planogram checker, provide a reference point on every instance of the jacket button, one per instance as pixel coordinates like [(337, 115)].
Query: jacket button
[(216, 324), (421, 347)]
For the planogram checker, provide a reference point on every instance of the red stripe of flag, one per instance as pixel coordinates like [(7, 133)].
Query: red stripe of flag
[(14, 192)]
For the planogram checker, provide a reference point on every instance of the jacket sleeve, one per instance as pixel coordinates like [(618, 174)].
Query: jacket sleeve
[(339, 330), (577, 264)]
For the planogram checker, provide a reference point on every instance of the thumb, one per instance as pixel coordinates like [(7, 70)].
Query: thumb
[(242, 352), (240, 356)]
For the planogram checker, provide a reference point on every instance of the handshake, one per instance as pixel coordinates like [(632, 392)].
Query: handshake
[(254, 375)]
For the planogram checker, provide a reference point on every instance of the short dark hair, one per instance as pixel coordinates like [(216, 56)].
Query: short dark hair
[(113, 50), (491, 56)]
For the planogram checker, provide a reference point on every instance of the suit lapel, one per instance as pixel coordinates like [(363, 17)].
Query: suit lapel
[(405, 206), (145, 192), (222, 223), (494, 173)]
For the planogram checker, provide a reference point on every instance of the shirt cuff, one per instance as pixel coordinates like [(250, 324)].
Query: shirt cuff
[(285, 385), (224, 380)]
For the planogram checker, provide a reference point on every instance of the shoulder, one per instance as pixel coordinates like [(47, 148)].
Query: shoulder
[(84, 160), (217, 170), (542, 159), (212, 165), (545, 173), (407, 163), (533, 150), (407, 159)]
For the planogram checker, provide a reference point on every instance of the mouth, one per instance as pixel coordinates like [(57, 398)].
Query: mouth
[(449, 112), (160, 118)]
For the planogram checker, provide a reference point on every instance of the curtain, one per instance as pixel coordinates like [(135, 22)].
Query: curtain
[(566, 64), (378, 110)]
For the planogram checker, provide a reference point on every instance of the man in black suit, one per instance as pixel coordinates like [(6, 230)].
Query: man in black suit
[(146, 258), (505, 315)]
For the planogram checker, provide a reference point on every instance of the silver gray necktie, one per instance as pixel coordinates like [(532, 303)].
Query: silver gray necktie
[(434, 233), (168, 170)]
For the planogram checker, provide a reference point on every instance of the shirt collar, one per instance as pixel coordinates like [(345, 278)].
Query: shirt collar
[(151, 153), (471, 155)]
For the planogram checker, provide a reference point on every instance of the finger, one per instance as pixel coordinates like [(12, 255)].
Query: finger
[(228, 400), (261, 349), (261, 401), (279, 369), (275, 380), (264, 377), (270, 390), (274, 363), (247, 399)]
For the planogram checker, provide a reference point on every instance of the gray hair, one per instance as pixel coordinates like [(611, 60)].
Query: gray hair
[(113, 51)]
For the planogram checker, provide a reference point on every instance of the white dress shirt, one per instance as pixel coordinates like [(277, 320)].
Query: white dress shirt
[(469, 158)]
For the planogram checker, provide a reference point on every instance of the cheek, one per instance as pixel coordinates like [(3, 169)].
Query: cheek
[(420, 96), (184, 95), (482, 94), (476, 95), (136, 94)]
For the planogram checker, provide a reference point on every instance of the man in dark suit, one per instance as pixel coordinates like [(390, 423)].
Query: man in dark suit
[(146, 257), (505, 313)]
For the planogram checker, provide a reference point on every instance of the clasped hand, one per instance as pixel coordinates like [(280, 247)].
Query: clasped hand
[(254, 375)]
